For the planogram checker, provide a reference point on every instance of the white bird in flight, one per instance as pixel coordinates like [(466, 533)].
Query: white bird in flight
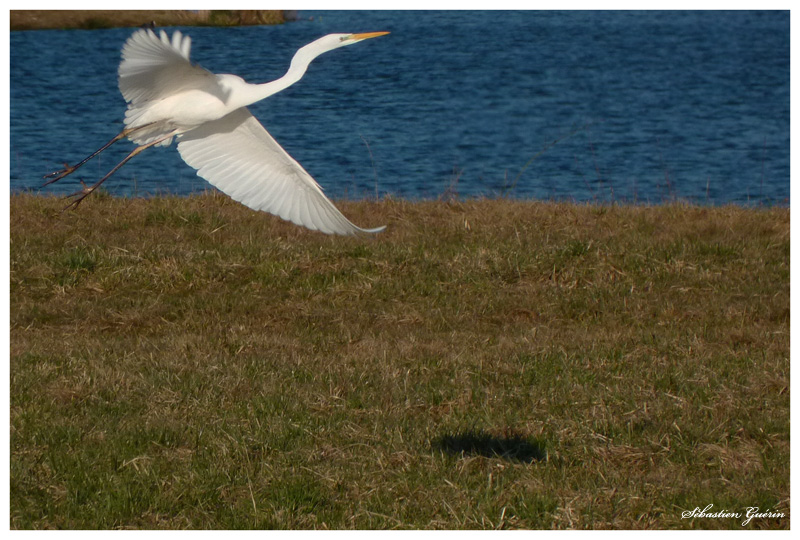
[(170, 97)]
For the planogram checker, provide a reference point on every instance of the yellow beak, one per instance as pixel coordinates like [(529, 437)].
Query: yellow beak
[(359, 37)]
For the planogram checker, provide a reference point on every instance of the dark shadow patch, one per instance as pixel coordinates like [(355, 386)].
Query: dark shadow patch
[(510, 446)]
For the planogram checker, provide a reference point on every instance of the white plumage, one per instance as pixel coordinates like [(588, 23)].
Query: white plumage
[(239, 157), (168, 98)]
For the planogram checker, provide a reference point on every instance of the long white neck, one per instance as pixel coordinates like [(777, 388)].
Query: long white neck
[(252, 93)]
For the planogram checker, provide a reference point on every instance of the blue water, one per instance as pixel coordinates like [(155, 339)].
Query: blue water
[(586, 106)]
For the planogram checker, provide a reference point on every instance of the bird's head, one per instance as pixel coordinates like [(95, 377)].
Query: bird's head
[(334, 41), (349, 39)]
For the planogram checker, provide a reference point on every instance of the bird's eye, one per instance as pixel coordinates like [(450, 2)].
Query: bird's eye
[(342, 38)]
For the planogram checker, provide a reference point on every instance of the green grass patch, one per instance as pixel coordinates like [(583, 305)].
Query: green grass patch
[(189, 363)]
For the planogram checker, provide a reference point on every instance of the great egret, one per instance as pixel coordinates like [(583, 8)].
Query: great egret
[(170, 97)]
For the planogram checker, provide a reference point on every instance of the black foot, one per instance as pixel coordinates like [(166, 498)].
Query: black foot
[(58, 175), (79, 196)]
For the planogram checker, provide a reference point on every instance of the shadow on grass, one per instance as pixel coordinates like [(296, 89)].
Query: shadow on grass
[(512, 446)]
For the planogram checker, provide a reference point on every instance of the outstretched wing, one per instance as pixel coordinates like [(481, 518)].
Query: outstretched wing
[(238, 156), (154, 67)]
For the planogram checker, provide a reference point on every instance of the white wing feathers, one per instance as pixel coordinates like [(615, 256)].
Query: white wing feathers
[(154, 67), (238, 156)]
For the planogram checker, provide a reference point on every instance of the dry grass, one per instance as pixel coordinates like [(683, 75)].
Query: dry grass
[(188, 363)]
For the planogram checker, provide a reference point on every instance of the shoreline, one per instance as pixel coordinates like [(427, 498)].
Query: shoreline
[(447, 199), (100, 19)]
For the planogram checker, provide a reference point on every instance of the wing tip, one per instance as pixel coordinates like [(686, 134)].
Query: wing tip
[(349, 229), (375, 230)]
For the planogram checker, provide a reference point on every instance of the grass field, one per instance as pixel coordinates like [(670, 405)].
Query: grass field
[(188, 363)]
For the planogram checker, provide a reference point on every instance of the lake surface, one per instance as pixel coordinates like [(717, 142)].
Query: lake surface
[(580, 105)]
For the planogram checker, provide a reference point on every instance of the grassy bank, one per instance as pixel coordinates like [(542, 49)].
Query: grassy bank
[(109, 18), (487, 364)]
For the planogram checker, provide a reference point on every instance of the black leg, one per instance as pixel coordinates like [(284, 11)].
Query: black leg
[(88, 190), (69, 169)]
